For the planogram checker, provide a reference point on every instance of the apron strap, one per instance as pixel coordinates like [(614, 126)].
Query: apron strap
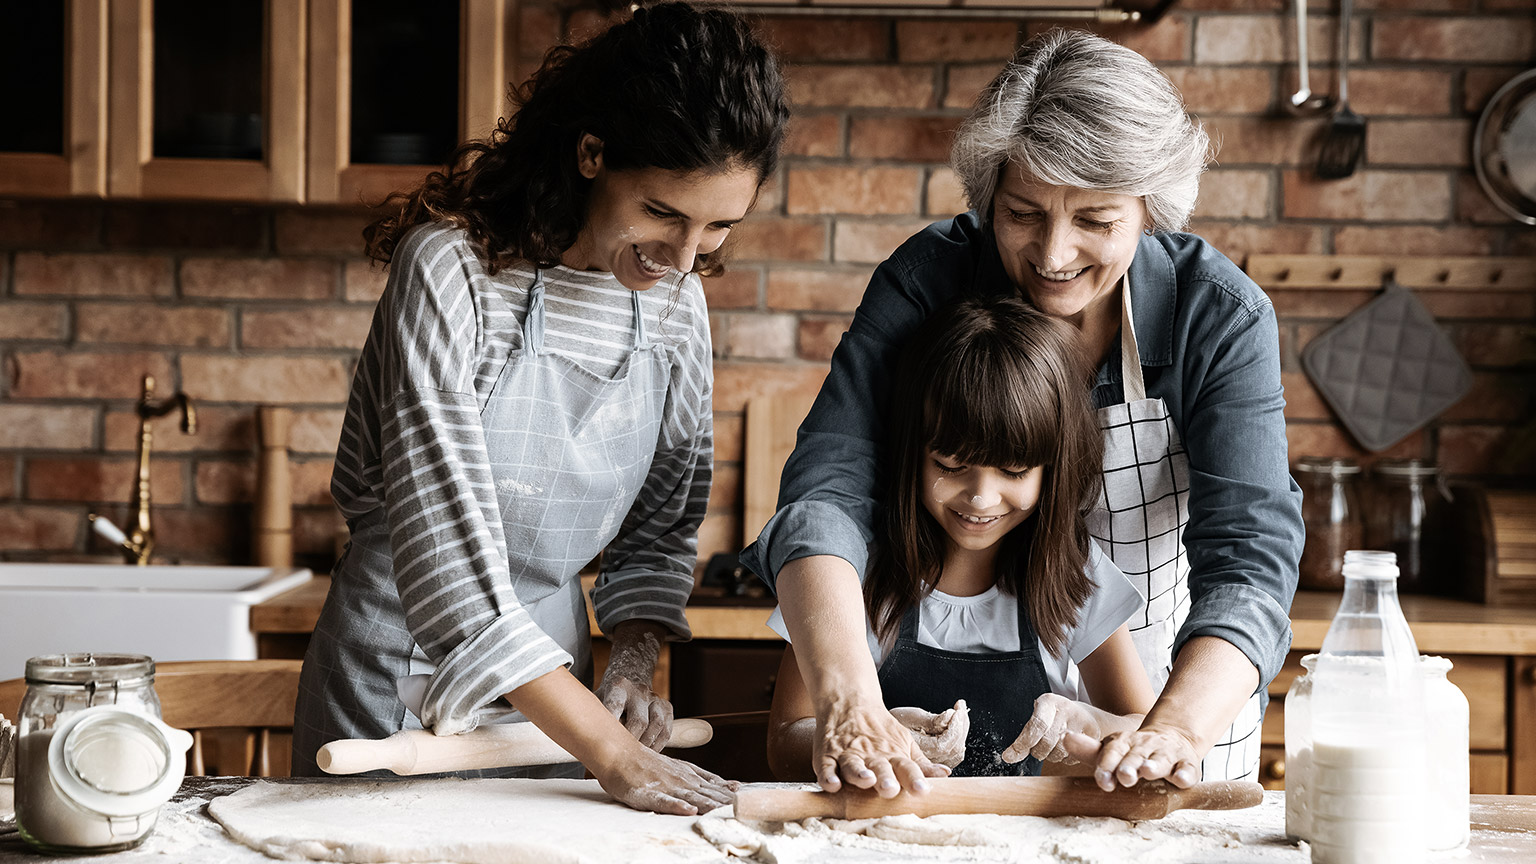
[(642, 338), (1130, 356), (533, 321)]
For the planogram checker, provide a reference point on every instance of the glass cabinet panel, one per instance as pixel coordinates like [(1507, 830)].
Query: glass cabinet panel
[(405, 82), (32, 63), (207, 91)]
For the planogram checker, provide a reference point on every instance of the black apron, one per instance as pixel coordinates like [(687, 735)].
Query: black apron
[(999, 688)]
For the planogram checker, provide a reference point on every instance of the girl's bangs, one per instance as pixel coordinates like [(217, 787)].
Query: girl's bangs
[(981, 408)]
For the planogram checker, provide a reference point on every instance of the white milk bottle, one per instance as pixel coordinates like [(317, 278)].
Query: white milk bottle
[(1368, 730)]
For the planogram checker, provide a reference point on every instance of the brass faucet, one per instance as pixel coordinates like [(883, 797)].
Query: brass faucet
[(140, 544)]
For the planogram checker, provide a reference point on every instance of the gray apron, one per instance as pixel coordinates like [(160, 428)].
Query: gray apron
[(1140, 522), (569, 451)]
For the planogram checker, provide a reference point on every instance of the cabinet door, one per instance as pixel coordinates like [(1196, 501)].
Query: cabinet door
[(395, 86), (53, 142), (207, 99)]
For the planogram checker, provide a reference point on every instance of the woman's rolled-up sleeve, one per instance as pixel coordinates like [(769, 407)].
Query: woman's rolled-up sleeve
[(647, 571), (449, 553)]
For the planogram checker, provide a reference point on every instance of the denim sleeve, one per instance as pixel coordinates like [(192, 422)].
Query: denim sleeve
[(1245, 531), (828, 494)]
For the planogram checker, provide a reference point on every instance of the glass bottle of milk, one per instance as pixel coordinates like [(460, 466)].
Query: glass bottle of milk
[(1368, 730)]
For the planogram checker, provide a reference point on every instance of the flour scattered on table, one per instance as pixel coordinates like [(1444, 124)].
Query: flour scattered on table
[(1254, 835), (468, 821)]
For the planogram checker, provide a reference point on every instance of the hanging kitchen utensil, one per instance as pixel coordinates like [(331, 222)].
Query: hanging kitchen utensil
[(1304, 103), (1344, 140), (1387, 369), (1007, 796), (1504, 148)]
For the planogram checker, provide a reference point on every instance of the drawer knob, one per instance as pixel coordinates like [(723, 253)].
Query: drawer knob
[(1275, 769)]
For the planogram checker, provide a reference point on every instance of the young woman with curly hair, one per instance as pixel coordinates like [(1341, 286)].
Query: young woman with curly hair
[(535, 390)]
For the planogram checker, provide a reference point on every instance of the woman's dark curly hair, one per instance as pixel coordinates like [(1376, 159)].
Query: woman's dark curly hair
[(674, 87)]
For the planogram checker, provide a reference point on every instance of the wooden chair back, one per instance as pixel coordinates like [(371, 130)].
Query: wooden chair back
[(255, 698)]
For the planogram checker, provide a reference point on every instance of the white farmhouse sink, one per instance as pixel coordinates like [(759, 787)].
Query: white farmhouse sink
[(167, 612)]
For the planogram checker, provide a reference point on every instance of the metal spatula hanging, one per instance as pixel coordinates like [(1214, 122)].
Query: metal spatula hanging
[(1344, 140)]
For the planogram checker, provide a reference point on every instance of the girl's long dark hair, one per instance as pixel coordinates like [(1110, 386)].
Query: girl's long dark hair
[(674, 87), (992, 382)]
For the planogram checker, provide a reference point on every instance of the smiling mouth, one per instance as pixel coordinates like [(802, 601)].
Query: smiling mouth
[(1057, 275), (979, 521), (650, 267)]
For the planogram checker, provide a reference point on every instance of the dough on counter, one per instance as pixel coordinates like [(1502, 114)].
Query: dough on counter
[(470, 821)]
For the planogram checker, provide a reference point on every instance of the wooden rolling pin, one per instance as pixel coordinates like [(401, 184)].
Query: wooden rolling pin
[(503, 745), (1008, 796)]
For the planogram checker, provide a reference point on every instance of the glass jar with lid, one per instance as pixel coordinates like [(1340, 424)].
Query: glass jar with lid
[(1409, 514), (1330, 508), (1298, 753), (94, 761)]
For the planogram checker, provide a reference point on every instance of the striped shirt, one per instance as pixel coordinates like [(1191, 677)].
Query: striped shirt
[(413, 447)]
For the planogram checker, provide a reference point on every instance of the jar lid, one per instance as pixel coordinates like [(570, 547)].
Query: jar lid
[(85, 669), (1325, 465), (117, 762), (1370, 564), (1409, 468)]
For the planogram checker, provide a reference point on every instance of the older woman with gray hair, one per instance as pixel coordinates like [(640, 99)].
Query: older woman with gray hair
[(1081, 166)]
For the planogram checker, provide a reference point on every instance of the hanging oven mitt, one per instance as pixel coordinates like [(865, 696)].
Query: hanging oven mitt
[(1387, 369)]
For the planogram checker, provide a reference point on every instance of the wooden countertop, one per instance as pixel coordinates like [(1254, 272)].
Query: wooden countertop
[(1441, 625)]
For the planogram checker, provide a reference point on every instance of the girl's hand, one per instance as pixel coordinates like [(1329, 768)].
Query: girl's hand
[(863, 744), (626, 686), (1044, 735), (941, 737), (1149, 753), (646, 780)]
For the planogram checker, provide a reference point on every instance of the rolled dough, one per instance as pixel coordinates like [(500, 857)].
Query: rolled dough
[(470, 821)]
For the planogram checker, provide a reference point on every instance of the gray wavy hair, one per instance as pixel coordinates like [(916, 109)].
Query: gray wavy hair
[(1074, 109)]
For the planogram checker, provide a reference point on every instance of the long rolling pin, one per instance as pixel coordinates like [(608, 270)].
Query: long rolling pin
[(502, 745), (1007, 796)]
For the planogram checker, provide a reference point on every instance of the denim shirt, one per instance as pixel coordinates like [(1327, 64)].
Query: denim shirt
[(1209, 346)]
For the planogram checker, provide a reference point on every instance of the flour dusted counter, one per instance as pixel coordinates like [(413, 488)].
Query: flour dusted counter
[(1493, 649), (571, 821)]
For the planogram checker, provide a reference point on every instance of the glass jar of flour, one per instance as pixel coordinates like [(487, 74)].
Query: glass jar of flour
[(1298, 753), (94, 761), (1449, 822), (1448, 817)]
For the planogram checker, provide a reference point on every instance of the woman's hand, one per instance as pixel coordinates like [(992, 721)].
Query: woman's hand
[(941, 737), (646, 780), (1148, 753), (626, 686), (860, 742)]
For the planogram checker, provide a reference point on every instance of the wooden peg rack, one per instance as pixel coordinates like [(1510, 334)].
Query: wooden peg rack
[(1475, 273)]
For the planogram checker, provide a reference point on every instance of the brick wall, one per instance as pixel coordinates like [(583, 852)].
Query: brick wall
[(244, 305)]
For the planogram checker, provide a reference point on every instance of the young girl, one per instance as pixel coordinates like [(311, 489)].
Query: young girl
[(985, 591)]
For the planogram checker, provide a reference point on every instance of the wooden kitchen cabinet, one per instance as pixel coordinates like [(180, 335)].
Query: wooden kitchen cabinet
[(286, 101), (207, 99), (53, 142), (396, 85)]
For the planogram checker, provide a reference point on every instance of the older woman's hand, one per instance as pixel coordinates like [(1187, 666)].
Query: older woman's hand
[(862, 743), (626, 686), (1148, 753)]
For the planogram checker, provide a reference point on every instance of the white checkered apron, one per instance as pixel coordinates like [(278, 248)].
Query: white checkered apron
[(1140, 523)]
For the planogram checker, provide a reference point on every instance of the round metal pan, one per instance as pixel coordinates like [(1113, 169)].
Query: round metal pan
[(1504, 148)]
